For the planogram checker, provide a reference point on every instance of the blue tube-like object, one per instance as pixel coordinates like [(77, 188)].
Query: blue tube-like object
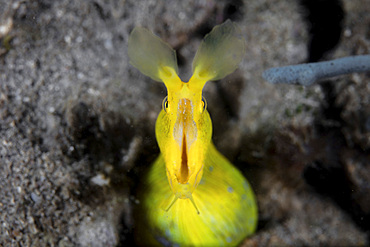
[(307, 74)]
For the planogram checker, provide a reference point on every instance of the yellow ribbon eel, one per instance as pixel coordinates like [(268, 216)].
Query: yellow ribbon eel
[(205, 200)]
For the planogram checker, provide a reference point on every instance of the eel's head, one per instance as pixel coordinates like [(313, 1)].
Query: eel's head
[(184, 131), (183, 127)]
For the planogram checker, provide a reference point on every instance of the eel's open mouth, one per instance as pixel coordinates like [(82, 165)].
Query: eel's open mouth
[(184, 170), (185, 133)]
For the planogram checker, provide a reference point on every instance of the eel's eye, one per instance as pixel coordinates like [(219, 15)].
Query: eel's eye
[(165, 104), (204, 104)]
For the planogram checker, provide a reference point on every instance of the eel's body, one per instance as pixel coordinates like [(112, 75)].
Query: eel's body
[(228, 212), (192, 195)]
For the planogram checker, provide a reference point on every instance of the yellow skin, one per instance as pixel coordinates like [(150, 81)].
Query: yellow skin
[(205, 200)]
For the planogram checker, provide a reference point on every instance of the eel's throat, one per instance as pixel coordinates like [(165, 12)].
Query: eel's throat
[(184, 169)]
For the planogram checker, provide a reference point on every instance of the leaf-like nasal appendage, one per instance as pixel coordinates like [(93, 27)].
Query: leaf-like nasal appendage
[(149, 54), (219, 53)]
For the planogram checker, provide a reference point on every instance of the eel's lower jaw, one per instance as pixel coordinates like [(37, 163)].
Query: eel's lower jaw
[(183, 194)]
